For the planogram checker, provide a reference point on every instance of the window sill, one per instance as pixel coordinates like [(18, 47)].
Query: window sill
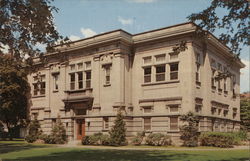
[(38, 96), (106, 85), (158, 83)]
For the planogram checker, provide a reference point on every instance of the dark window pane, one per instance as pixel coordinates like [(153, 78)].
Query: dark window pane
[(160, 69), (147, 71), (174, 67)]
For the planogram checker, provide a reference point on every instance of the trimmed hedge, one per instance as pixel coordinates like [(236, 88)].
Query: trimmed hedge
[(158, 139), (221, 139), (137, 140)]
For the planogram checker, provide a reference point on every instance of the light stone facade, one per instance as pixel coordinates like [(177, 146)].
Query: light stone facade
[(87, 81)]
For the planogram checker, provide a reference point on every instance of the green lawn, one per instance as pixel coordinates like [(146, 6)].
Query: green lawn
[(18, 150)]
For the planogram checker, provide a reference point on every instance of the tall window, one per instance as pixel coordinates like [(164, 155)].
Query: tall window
[(72, 81), (174, 71), (225, 84), (36, 89), (105, 122), (160, 73), (213, 79), (147, 74), (173, 123), (80, 80), (147, 124), (55, 79), (107, 73), (43, 85), (88, 79), (197, 72)]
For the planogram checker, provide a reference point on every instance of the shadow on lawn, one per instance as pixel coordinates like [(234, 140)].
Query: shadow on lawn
[(13, 147), (118, 155)]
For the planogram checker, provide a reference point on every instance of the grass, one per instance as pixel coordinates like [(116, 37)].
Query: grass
[(18, 150)]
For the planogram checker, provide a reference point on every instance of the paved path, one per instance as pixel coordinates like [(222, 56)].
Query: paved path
[(152, 148)]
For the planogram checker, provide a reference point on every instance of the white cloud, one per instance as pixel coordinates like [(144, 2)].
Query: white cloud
[(124, 21), (74, 38), (142, 1), (244, 77), (87, 32)]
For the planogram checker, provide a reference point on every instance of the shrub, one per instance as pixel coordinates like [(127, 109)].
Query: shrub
[(118, 131), (218, 139), (189, 132), (34, 131), (158, 139), (137, 140), (96, 139), (86, 140)]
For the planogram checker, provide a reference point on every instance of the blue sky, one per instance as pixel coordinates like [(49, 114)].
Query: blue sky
[(84, 18)]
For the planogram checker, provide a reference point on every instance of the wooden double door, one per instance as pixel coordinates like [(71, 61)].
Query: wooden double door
[(80, 123)]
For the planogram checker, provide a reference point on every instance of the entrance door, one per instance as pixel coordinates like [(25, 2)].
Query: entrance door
[(80, 129)]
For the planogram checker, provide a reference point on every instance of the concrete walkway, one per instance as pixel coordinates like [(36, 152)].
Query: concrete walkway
[(153, 148)]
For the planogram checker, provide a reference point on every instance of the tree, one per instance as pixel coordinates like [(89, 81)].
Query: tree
[(14, 89), (118, 131), (24, 24), (189, 131), (34, 131), (58, 133), (235, 21), (245, 114)]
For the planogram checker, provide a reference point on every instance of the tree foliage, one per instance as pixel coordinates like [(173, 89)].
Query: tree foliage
[(118, 131), (24, 24), (235, 21), (245, 113), (189, 131), (14, 89)]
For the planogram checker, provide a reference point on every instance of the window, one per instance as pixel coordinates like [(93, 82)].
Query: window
[(160, 58), (173, 56), (219, 67), (147, 60), (80, 66), (107, 69), (213, 110), (174, 108), (72, 81), (147, 124), (72, 67), (198, 105), (36, 89), (234, 112), (213, 79), (219, 112), (160, 73), (147, 109), (225, 84), (53, 122), (219, 84), (173, 123), (43, 85), (55, 79), (197, 72), (213, 63), (225, 112), (147, 75), (198, 58), (88, 79), (80, 80), (35, 115), (80, 111), (88, 65), (105, 123), (174, 71)]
